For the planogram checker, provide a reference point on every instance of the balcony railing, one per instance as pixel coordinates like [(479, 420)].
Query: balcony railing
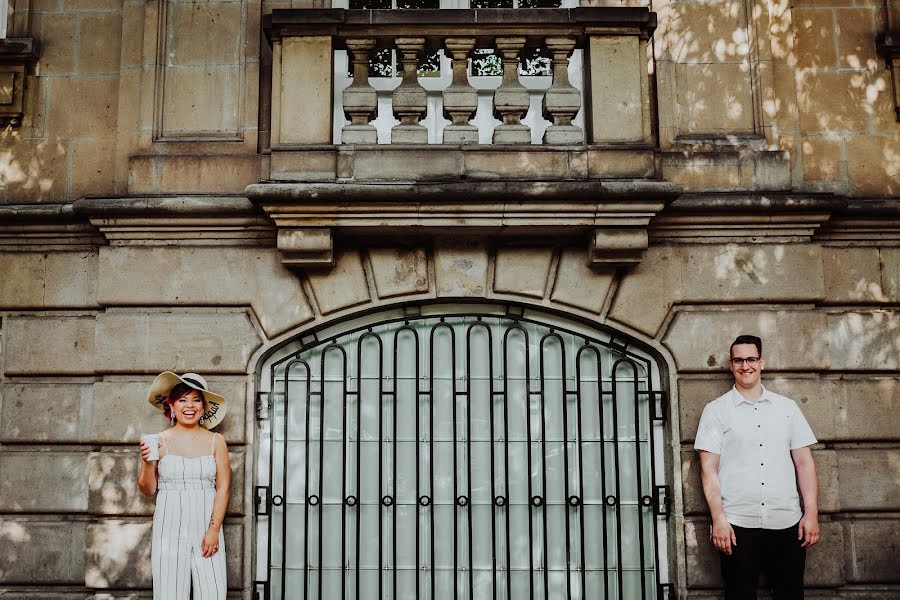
[(460, 77)]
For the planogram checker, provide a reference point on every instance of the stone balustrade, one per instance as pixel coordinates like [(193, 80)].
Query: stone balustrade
[(604, 48)]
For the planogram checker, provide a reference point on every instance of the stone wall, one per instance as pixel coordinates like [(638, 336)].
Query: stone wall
[(78, 355), (762, 109)]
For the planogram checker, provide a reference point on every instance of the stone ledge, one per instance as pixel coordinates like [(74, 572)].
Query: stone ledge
[(612, 215)]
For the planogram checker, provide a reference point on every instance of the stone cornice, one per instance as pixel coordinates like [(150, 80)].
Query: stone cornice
[(45, 226), (765, 217), (184, 221), (614, 214)]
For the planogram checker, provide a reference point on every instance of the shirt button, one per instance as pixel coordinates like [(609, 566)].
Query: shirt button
[(763, 503), (759, 425), (762, 464), (760, 445)]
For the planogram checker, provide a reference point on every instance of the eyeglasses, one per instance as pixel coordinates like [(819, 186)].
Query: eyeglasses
[(752, 361)]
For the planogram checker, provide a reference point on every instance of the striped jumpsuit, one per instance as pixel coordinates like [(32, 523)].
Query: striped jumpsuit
[(184, 502)]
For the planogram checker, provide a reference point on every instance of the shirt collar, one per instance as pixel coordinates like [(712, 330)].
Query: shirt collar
[(737, 398)]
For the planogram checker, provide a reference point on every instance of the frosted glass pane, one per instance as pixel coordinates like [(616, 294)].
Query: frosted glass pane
[(462, 444)]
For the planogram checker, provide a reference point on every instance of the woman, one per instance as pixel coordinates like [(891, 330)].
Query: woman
[(192, 482)]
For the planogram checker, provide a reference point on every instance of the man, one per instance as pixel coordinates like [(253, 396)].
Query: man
[(754, 453)]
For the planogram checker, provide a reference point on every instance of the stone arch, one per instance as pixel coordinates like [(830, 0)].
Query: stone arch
[(552, 313)]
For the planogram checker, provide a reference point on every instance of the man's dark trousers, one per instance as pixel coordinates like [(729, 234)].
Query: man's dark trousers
[(777, 552)]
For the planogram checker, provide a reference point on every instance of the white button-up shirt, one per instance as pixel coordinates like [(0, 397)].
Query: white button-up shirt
[(754, 442)]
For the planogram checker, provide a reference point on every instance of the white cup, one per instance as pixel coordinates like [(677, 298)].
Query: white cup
[(152, 440)]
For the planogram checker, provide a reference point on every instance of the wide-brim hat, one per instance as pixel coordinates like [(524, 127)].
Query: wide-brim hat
[(216, 405)]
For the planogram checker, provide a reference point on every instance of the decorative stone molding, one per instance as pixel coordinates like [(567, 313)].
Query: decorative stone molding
[(17, 55), (33, 227), (177, 221), (306, 247), (613, 215), (888, 46)]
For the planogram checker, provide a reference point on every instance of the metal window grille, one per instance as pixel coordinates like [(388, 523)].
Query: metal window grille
[(464, 456)]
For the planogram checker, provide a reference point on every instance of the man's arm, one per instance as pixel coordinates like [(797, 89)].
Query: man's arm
[(722, 533), (809, 490)]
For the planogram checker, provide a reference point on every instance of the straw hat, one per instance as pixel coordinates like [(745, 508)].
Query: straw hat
[(216, 406)]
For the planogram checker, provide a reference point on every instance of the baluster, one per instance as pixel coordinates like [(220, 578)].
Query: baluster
[(562, 100), (359, 98), (511, 98), (409, 99), (460, 98)]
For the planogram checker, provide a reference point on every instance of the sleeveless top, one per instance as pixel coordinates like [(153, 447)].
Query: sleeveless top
[(181, 474)]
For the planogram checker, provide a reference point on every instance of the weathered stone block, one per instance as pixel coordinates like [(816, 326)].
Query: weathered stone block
[(23, 279), (864, 340), (110, 424), (814, 38), (41, 550), (702, 560), (407, 165), (819, 399), (616, 98), (869, 479), (703, 570), (132, 36), (40, 344), (704, 273), (699, 30), (83, 106), (220, 174), (793, 339), (522, 271), (856, 27), (399, 272), (117, 554), (831, 101), (871, 172), (57, 43), (30, 412), (212, 342), (194, 274), (208, 33), (518, 164), (24, 481), (93, 167), (822, 159), (341, 287), (460, 267), (692, 485), (305, 90), (852, 274), (872, 550), (113, 484), (201, 100), (703, 172), (99, 44), (706, 112), (577, 285), (890, 272)]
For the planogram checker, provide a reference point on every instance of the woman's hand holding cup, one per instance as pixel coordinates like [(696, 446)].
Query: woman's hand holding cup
[(150, 447)]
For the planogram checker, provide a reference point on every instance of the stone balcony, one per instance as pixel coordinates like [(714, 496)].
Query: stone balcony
[(408, 120)]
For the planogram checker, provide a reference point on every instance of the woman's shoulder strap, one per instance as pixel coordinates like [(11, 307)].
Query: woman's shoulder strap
[(213, 447)]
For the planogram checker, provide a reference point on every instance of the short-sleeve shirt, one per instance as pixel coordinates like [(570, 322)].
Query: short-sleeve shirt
[(754, 442)]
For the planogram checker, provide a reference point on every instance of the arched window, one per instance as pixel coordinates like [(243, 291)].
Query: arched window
[(461, 452)]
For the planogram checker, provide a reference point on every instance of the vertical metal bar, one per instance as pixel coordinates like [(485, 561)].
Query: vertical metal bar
[(543, 507), (442, 324), (331, 346), (518, 327), (578, 407), (359, 498), (405, 327), (479, 323), (284, 473), (618, 497), (638, 470), (272, 481), (565, 426)]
